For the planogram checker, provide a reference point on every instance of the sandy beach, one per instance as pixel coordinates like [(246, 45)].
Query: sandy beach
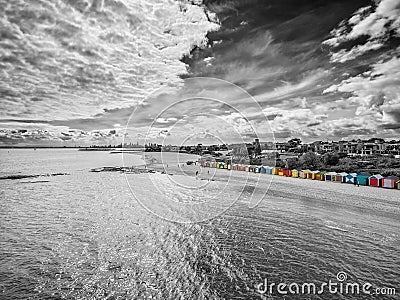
[(265, 186)]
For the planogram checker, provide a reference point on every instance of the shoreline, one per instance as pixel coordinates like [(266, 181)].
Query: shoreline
[(223, 175)]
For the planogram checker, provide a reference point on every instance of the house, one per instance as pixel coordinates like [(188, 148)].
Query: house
[(330, 176), (254, 169), (312, 175), (287, 172), (397, 185), (389, 182), (340, 177), (221, 165), (363, 178), (320, 176), (375, 180), (350, 178), (280, 172), (268, 170), (274, 171), (304, 173), (295, 173)]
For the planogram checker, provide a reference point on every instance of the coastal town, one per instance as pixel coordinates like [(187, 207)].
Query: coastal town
[(372, 156), (294, 147), (292, 150), (374, 162)]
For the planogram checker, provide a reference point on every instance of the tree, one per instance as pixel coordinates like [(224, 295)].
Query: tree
[(330, 159), (310, 160)]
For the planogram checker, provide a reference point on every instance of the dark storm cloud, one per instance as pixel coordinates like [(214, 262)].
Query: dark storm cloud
[(264, 44), (277, 51)]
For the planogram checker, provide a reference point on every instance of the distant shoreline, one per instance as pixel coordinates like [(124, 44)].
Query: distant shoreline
[(67, 147), (46, 147)]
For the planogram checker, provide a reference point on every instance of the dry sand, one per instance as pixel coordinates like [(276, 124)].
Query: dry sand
[(276, 186)]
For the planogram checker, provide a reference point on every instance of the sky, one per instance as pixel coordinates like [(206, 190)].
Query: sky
[(82, 72)]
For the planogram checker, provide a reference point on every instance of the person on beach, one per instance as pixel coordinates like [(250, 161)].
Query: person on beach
[(197, 173)]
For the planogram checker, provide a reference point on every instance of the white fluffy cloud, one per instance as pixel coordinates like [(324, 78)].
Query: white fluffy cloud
[(295, 122), (39, 134), (64, 59), (376, 23), (376, 93)]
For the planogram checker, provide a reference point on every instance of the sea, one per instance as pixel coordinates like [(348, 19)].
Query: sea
[(108, 235)]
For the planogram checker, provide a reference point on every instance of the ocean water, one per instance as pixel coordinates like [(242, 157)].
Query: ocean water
[(109, 236)]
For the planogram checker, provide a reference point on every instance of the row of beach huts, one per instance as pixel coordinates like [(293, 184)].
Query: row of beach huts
[(366, 179)]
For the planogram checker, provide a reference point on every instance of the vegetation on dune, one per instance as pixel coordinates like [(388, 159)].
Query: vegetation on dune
[(332, 161)]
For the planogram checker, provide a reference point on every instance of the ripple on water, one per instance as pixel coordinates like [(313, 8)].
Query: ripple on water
[(84, 236)]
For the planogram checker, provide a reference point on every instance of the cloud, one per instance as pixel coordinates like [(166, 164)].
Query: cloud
[(37, 134), (85, 66), (376, 93), (70, 59), (344, 55), (286, 90), (374, 24), (295, 122)]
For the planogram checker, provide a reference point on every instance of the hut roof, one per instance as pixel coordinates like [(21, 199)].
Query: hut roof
[(378, 176), (331, 173)]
